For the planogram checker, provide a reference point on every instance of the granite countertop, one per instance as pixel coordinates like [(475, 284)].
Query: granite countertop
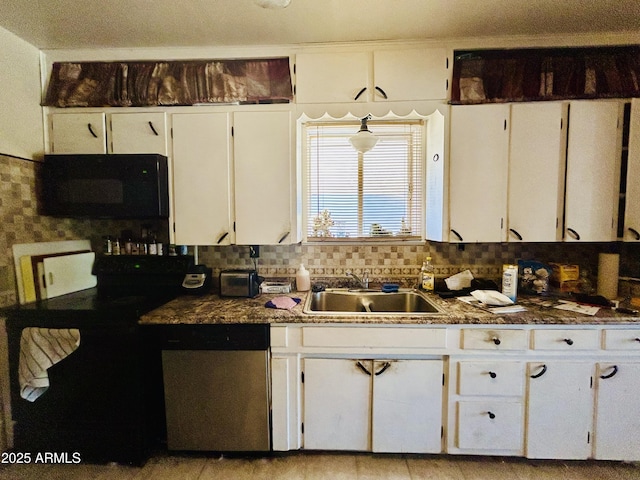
[(213, 309)]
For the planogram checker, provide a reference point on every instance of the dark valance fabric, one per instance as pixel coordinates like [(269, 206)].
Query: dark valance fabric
[(489, 76), (143, 84)]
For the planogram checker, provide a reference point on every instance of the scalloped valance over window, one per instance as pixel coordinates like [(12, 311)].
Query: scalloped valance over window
[(165, 83)]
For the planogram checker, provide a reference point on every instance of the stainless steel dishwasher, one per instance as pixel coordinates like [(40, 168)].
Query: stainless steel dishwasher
[(217, 387)]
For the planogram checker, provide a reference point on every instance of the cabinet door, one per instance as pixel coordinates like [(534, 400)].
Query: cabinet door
[(138, 132), (337, 406), (536, 171), (411, 74), (490, 425), (617, 432), (77, 133), (560, 410), (593, 171), (263, 179), (407, 406), (333, 77), (478, 173), (201, 178), (632, 208)]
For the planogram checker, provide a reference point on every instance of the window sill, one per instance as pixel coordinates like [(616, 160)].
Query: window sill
[(365, 241)]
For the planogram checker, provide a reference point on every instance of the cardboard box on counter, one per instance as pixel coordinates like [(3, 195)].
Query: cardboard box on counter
[(565, 277)]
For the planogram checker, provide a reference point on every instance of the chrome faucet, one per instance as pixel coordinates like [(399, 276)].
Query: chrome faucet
[(363, 282)]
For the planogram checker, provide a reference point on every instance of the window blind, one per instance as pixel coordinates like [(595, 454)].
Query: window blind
[(378, 194)]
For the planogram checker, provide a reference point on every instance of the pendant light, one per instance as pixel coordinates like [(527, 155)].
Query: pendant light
[(364, 140)]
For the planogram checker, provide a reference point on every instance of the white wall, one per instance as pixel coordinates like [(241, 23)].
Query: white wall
[(21, 126)]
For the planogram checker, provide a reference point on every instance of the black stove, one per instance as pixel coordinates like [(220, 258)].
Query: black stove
[(127, 287), (96, 403)]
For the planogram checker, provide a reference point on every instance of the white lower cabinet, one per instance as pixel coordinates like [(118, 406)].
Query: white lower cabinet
[(489, 425), (543, 392), (488, 403), (618, 411), (559, 409), (367, 405)]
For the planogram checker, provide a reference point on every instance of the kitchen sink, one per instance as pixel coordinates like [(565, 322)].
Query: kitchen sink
[(369, 302)]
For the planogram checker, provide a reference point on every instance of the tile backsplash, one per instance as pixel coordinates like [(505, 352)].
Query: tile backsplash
[(402, 262), (22, 224)]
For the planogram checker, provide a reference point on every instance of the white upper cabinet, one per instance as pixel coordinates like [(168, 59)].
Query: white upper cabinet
[(77, 133), (264, 178), (536, 171), (593, 170), (478, 173), (127, 133), (411, 74), (332, 77), (632, 208), (138, 133), (201, 178), (382, 75)]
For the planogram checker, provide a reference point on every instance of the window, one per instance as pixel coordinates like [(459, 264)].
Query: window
[(355, 196)]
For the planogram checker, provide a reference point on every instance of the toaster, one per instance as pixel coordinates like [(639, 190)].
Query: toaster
[(240, 283)]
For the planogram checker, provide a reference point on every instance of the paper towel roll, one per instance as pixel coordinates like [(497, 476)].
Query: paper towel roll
[(608, 265)]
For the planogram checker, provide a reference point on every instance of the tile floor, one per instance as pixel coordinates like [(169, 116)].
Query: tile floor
[(329, 466)]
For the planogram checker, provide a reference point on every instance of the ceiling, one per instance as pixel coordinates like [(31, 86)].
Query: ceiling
[(70, 24)]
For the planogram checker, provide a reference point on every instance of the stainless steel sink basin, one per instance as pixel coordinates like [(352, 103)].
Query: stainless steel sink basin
[(367, 302)]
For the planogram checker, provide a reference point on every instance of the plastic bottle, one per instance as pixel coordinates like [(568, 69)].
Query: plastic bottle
[(427, 276), (510, 281), (303, 282)]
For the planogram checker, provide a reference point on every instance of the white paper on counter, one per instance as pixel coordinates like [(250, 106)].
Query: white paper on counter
[(577, 307), (505, 309), (508, 309)]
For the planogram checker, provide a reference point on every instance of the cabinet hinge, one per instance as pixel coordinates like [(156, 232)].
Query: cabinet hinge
[(302, 377)]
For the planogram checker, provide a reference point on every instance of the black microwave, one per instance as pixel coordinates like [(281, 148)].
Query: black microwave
[(105, 186)]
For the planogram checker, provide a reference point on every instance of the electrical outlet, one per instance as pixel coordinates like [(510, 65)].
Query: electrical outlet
[(254, 251)]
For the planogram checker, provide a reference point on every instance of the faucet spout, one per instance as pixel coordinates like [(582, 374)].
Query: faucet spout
[(363, 282)]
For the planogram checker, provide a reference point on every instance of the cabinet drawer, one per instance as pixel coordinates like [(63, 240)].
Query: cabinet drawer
[(627, 339), (566, 339), (490, 378), (374, 337), (490, 425), (494, 339)]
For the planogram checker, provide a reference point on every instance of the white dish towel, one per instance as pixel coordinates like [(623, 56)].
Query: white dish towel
[(40, 348)]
